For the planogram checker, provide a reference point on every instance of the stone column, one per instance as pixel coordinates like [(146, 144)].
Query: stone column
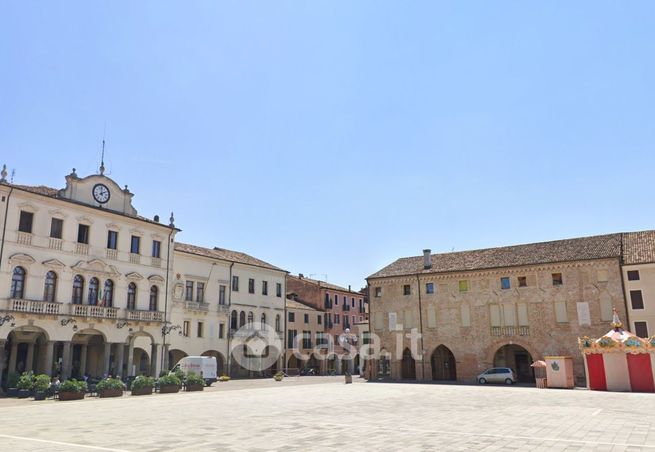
[(165, 365), (49, 356), (13, 354), (29, 361), (130, 359), (107, 357), (83, 352), (2, 359), (67, 358), (120, 353), (154, 360)]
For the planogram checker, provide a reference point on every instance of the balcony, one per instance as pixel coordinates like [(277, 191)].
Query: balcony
[(511, 330), (100, 312), (346, 307), (135, 258), (112, 254), (223, 308), (524, 331), (196, 306), (155, 262), (34, 306), (24, 238), (55, 244), (81, 248), (145, 316)]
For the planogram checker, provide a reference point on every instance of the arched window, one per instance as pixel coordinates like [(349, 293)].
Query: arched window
[(233, 321), (78, 289), (251, 319), (242, 319), (277, 323), (18, 283), (93, 291), (108, 293), (263, 321), (131, 296), (50, 287), (154, 294)]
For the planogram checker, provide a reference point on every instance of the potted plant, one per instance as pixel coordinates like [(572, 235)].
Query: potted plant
[(25, 385), (12, 383), (223, 378), (278, 376), (169, 383), (72, 390), (41, 385), (142, 385), (194, 382), (110, 387)]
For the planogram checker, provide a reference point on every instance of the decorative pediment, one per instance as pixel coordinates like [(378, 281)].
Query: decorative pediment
[(54, 263), (21, 258), (84, 219), (156, 279), (28, 207), (113, 227), (96, 266), (135, 231), (57, 213), (159, 237), (134, 276)]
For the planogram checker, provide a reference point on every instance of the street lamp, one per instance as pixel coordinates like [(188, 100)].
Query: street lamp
[(7, 318), (346, 340)]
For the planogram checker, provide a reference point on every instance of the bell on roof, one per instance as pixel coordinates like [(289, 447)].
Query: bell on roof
[(616, 322), (3, 174)]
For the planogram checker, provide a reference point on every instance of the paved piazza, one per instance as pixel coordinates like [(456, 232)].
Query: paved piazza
[(317, 413)]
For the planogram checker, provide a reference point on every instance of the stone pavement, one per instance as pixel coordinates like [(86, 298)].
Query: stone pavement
[(321, 413)]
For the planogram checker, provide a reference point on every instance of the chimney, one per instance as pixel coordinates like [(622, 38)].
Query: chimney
[(427, 259)]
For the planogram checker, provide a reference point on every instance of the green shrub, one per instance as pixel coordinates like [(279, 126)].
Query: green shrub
[(163, 372), (12, 379), (179, 373), (73, 385), (170, 379), (41, 383), (26, 381), (193, 378), (143, 382), (110, 383)]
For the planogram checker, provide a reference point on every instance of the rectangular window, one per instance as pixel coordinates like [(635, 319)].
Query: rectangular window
[(135, 245), (337, 320), (292, 317), (221, 330), (523, 281), (25, 222), (636, 299), (56, 228), (112, 240), (83, 234), (641, 329), (200, 292), (378, 292), (463, 285), (557, 279), (633, 275), (319, 319), (278, 290), (336, 300), (221, 294), (235, 283), (352, 302), (366, 337), (188, 296), (429, 288), (306, 318), (264, 287), (306, 339), (504, 282), (251, 285), (291, 335), (185, 328), (200, 329), (407, 290), (156, 248)]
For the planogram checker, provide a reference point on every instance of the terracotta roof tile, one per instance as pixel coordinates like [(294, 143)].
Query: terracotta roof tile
[(323, 284), (223, 254), (585, 248), (639, 247)]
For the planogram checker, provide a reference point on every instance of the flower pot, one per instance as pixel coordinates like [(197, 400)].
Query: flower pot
[(168, 389), (24, 393), (12, 392), (63, 396), (39, 395), (194, 388), (146, 390), (110, 393)]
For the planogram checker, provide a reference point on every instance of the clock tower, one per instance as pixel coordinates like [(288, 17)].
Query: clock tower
[(98, 190)]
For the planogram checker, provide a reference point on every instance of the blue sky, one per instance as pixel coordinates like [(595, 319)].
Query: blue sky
[(332, 137)]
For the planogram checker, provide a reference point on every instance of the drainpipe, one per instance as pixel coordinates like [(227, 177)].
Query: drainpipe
[(625, 297), (168, 272), (4, 226), (420, 322), (228, 358), (370, 331)]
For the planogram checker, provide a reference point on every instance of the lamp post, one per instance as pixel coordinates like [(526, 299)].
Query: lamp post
[(6, 319), (346, 340)]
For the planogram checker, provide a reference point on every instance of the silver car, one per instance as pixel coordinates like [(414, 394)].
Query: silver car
[(497, 375)]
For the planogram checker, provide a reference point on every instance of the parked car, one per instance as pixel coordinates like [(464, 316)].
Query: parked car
[(498, 375)]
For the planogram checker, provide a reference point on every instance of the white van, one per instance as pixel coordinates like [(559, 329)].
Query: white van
[(201, 365)]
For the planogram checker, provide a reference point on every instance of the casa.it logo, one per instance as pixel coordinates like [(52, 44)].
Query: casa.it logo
[(255, 347)]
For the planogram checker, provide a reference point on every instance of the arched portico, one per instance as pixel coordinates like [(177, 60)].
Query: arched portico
[(174, 356), (408, 366), (516, 357), (220, 360), (443, 364)]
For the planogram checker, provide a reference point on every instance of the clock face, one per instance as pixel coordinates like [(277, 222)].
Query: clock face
[(101, 193)]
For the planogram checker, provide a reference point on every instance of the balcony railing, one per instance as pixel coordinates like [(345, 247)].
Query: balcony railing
[(112, 254), (223, 308), (196, 306), (155, 262), (146, 316), (55, 244), (524, 331), (81, 248), (135, 258), (34, 306), (24, 238), (510, 330), (85, 310)]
